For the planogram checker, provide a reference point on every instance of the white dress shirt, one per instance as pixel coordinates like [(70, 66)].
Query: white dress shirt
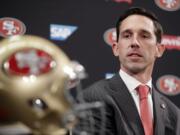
[(132, 84)]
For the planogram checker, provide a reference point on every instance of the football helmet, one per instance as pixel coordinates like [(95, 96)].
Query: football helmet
[(35, 76)]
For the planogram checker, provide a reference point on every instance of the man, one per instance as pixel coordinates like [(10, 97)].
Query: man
[(127, 113)]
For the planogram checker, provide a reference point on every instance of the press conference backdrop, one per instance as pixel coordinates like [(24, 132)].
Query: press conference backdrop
[(84, 29)]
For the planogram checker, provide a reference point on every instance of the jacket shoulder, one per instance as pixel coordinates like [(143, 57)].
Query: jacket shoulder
[(168, 102), (169, 106), (97, 91)]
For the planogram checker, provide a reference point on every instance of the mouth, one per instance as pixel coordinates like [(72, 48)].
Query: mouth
[(134, 54)]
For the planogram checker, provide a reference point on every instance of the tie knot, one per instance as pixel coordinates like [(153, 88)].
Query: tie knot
[(143, 91)]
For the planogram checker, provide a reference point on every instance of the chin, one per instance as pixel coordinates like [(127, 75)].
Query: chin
[(135, 69)]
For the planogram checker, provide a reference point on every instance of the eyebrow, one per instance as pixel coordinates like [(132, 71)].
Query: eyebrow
[(126, 31), (130, 31), (146, 31)]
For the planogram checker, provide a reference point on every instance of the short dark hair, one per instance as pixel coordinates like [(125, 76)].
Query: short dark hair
[(141, 11)]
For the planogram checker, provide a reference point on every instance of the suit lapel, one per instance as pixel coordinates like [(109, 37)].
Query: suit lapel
[(125, 102), (159, 109)]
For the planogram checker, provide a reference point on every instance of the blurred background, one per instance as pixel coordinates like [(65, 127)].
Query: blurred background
[(84, 30)]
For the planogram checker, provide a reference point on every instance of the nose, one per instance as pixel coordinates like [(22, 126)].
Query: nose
[(135, 42)]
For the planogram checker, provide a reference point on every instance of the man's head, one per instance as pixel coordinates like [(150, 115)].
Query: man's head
[(138, 44), (141, 11)]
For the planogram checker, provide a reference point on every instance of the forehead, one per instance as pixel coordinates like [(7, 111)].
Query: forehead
[(136, 23)]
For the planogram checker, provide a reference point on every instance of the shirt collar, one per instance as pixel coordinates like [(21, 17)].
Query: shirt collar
[(131, 82)]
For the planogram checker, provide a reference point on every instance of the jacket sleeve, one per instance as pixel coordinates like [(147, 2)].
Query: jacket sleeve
[(172, 123)]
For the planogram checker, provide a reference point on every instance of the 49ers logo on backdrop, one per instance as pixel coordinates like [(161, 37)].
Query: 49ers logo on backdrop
[(110, 36), (11, 26), (168, 5), (119, 1), (169, 84), (170, 41)]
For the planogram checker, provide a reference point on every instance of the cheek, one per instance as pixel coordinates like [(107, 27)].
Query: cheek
[(118, 49), (122, 51), (122, 55), (151, 52)]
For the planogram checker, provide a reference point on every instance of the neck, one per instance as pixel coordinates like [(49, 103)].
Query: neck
[(143, 76)]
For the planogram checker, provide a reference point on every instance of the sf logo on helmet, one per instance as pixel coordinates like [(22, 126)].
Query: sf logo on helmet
[(28, 62)]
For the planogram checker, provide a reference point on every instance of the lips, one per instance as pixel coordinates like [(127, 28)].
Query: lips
[(134, 54)]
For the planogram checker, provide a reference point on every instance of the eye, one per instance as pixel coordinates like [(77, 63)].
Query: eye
[(145, 35), (126, 35)]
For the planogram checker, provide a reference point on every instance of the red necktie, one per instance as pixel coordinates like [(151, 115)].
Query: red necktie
[(146, 116)]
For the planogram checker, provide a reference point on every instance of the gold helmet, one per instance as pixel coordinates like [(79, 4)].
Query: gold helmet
[(34, 76)]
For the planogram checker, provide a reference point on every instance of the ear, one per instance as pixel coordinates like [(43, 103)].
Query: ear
[(159, 50), (115, 49)]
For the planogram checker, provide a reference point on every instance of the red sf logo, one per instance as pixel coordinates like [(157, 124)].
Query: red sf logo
[(168, 5), (169, 84), (118, 1), (110, 36), (11, 26), (28, 62)]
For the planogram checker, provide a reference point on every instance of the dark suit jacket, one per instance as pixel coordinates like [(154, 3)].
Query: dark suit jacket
[(121, 114)]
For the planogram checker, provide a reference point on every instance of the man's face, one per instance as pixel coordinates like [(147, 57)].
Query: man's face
[(137, 46)]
